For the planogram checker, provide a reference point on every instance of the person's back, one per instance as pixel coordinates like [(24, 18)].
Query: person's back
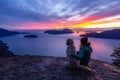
[(72, 62), (84, 52), (85, 55)]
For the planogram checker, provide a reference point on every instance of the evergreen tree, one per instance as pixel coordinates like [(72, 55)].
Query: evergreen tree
[(116, 56)]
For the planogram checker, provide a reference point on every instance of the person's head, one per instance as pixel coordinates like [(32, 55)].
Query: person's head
[(69, 42), (88, 44), (84, 41)]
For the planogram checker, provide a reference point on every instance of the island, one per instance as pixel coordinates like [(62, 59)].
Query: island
[(4, 32), (31, 36), (63, 31), (110, 34)]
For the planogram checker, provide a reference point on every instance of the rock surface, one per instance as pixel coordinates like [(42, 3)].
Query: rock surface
[(53, 68)]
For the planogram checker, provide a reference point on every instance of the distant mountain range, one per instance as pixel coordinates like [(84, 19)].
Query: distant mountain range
[(110, 34), (4, 32), (64, 31)]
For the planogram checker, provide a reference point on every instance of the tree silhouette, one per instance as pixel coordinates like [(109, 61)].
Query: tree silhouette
[(116, 56)]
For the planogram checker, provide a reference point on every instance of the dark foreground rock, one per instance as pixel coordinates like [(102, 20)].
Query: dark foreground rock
[(53, 68), (4, 50)]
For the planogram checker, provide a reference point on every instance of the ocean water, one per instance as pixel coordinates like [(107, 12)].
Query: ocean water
[(55, 45)]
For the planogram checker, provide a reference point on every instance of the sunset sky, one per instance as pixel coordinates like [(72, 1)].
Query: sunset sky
[(56, 14)]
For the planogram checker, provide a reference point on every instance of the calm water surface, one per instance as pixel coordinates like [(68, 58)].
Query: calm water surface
[(54, 45)]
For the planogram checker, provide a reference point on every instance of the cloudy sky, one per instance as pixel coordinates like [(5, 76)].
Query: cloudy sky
[(50, 14)]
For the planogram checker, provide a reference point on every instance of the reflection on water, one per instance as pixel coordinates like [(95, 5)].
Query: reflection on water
[(54, 45)]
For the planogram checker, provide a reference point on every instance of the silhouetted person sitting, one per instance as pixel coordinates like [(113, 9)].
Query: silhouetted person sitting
[(84, 52)]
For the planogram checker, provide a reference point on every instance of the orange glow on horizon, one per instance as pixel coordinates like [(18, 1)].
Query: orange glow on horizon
[(82, 32), (91, 22)]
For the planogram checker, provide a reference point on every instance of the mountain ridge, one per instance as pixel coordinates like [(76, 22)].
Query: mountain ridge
[(110, 34), (4, 32)]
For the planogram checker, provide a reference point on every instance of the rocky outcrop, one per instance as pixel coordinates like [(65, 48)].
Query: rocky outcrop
[(53, 68), (4, 50)]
